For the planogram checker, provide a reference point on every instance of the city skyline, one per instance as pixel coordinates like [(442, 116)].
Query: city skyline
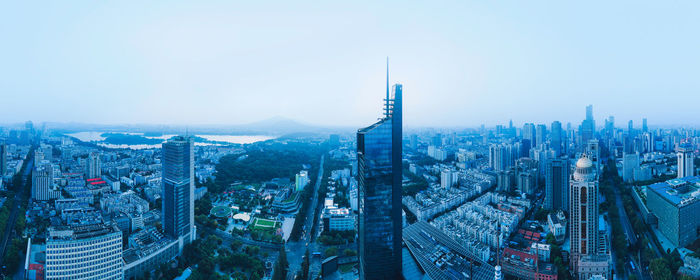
[(231, 63)]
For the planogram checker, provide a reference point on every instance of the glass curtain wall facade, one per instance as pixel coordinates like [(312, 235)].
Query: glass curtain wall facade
[(379, 180)]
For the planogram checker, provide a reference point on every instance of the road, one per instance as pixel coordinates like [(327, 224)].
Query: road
[(631, 235), (296, 249), (15, 210)]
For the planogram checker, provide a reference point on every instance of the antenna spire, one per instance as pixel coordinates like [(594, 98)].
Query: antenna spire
[(386, 113)]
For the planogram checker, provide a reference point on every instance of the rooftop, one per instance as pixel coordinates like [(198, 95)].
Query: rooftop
[(679, 191)]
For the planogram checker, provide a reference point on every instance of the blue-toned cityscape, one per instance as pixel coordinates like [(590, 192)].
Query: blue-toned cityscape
[(360, 140)]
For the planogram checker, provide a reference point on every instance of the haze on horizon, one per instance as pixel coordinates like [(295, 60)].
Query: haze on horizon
[(462, 64)]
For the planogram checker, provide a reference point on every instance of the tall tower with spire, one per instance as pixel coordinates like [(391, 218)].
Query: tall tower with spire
[(379, 187)]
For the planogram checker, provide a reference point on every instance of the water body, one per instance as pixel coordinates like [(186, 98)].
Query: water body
[(221, 139)]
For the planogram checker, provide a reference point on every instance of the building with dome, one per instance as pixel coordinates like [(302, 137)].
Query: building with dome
[(583, 206)]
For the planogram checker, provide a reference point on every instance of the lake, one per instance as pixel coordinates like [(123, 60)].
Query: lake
[(221, 139)]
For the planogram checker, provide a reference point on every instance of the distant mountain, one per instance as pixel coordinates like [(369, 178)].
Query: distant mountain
[(280, 125), (275, 126)]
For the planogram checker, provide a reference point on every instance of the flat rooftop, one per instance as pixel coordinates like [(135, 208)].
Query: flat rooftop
[(440, 257), (679, 191)]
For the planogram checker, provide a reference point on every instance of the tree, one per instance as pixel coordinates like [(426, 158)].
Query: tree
[(236, 244), (280, 269), (305, 266), (349, 252), (675, 261), (331, 251), (660, 269)]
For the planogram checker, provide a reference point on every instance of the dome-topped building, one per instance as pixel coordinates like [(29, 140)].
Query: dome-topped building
[(585, 170)]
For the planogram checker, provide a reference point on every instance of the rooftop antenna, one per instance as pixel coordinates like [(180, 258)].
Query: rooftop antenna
[(497, 269), (386, 109)]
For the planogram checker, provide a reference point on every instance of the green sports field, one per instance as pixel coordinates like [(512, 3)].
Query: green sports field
[(264, 224)]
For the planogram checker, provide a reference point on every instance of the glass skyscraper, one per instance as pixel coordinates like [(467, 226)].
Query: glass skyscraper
[(379, 180), (178, 189)]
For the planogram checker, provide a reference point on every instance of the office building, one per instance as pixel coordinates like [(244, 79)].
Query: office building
[(302, 179), (337, 219), (583, 214), (94, 167), (379, 181), (92, 251), (676, 204), (178, 189), (541, 134), (557, 184), (686, 164), (587, 128), (556, 136), (529, 133), (42, 183), (630, 164), (414, 141)]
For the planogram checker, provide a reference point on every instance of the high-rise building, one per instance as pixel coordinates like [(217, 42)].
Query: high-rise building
[(541, 134), (92, 251), (686, 166), (93, 169), (557, 184), (630, 128), (414, 141), (301, 180), (178, 189), (587, 129), (645, 128), (3, 159), (583, 214), (630, 163), (448, 178), (530, 134), (379, 182), (334, 140), (42, 183), (556, 136)]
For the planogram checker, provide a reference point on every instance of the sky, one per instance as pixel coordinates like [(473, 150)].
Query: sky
[(462, 63)]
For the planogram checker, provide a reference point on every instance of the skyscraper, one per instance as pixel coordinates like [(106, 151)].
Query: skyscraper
[(94, 167), (557, 184), (645, 128), (583, 214), (587, 129), (556, 135), (686, 166), (379, 182), (541, 133), (530, 134), (178, 189)]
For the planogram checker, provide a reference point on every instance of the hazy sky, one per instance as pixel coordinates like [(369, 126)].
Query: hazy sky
[(462, 63)]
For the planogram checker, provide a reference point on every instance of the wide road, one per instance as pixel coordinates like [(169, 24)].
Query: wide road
[(631, 235), (296, 250), (15, 209)]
